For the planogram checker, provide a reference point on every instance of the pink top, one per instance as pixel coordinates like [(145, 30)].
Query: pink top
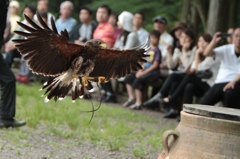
[(106, 32)]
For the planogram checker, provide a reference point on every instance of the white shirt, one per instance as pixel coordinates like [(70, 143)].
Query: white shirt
[(85, 31), (165, 39), (132, 41), (142, 35), (49, 15), (230, 64), (186, 59)]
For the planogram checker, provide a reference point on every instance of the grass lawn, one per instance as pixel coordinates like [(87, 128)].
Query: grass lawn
[(115, 127)]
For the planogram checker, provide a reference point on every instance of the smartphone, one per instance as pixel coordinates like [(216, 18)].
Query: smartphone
[(224, 35)]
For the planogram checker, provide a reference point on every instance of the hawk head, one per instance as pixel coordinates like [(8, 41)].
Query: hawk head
[(96, 43)]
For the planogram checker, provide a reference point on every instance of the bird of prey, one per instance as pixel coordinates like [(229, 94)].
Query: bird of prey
[(73, 67)]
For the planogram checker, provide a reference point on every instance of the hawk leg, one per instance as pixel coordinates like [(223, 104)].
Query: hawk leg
[(99, 80)]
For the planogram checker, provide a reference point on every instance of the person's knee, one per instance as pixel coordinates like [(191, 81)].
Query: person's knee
[(136, 84), (172, 76), (204, 100), (189, 87), (229, 98)]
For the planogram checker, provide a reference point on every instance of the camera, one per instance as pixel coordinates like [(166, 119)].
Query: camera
[(224, 35)]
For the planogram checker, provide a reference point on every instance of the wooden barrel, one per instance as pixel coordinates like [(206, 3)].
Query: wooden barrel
[(205, 132)]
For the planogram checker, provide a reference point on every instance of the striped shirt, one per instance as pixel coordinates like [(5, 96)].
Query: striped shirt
[(105, 32)]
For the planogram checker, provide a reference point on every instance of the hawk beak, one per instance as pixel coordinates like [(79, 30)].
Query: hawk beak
[(104, 45)]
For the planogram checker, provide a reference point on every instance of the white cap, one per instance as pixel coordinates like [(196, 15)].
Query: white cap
[(14, 4), (125, 19)]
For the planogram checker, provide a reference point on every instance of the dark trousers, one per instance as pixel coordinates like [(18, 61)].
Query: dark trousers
[(11, 55), (7, 91), (141, 82), (7, 79), (107, 87), (215, 94), (199, 86), (190, 91), (172, 78), (174, 104)]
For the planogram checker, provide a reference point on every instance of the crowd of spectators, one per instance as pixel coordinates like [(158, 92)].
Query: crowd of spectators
[(191, 69)]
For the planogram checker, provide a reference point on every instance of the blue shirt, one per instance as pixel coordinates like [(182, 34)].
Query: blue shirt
[(67, 24)]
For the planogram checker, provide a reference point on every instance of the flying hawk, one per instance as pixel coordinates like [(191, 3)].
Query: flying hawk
[(73, 67)]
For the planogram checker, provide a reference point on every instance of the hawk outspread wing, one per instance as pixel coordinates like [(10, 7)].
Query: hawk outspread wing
[(112, 63), (73, 66), (48, 52)]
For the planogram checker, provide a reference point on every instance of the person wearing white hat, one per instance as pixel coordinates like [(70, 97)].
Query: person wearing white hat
[(14, 17), (128, 38)]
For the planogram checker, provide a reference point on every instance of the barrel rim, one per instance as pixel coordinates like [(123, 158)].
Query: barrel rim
[(213, 111)]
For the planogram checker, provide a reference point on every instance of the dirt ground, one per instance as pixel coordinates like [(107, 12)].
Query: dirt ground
[(39, 145)]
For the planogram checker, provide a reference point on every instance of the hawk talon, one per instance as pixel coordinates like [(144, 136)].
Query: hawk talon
[(101, 79), (85, 80)]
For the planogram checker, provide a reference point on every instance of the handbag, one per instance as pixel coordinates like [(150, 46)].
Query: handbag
[(205, 74)]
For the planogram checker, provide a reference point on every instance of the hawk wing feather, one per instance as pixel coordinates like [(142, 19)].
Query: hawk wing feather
[(48, 52), (112, 63)]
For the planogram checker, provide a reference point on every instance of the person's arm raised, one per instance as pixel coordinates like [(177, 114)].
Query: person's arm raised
[(209, 49)]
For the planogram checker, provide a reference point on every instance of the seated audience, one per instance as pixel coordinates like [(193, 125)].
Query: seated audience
[(136, 81), (13, 15), (176, 32), (65, 20), (229, 38), (181, 59), (226, 87), (44, 16), (127, 38), (105, 31), (11, 51), (42, 6), (113, 19), (200, 78), (138, 21), (84, 31), (24, 71), (160, 24)]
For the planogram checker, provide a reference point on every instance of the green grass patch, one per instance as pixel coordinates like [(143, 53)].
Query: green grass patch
[(115, 127)]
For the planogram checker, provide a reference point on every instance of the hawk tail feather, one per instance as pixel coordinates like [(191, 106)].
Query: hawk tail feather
[(58, 87)]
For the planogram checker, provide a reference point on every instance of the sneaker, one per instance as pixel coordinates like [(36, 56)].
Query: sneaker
[(110, 99), (128, 103), (155, 99), (171, 114), (136, 107)]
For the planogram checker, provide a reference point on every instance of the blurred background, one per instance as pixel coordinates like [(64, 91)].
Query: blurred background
[(200, 15)]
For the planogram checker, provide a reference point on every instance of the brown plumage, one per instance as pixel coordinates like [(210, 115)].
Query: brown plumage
[(73, 67)]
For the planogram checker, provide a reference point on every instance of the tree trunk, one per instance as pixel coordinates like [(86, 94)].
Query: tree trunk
[(186, 11), (194, 21), (232, 18), (202, 6), (218, 16)]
